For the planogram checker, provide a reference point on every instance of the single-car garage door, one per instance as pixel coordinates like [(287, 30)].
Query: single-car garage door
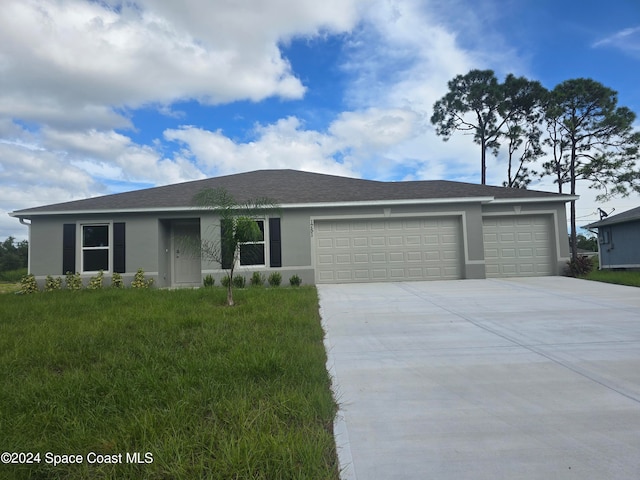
[(518, 246), (387, 250)]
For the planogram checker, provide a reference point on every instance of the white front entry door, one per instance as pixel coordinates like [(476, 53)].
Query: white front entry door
[(186, 255)]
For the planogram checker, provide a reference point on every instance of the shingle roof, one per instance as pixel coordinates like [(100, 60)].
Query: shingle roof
[(288, 187), (628, 216)]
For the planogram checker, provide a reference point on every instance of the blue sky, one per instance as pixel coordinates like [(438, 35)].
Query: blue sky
[(100, 97)]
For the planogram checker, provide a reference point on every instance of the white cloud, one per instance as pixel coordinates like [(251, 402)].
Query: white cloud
[(627, 40), (281, 145), (63, 62)]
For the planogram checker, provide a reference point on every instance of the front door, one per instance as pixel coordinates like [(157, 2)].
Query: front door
[(185, 240)]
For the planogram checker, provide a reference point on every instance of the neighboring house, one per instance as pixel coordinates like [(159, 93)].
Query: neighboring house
[(329, 229), (619, 240)]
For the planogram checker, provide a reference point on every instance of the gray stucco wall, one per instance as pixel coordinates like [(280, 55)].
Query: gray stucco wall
[(623, 247), (148, 237)]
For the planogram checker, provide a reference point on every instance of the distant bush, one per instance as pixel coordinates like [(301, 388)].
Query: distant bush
[(28, 284), (209, 281), (225, 281), (239, 281), (12, 275), (275, 279), (295, 281), (257, 279), (579, 267)]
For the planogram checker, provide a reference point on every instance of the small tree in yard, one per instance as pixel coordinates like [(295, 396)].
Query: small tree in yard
[(237, 226)]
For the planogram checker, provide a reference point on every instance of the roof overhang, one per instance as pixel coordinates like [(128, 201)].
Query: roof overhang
[(366, 203)]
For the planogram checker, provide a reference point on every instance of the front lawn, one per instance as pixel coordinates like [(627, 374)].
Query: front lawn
[(166, 385), (622, 277)]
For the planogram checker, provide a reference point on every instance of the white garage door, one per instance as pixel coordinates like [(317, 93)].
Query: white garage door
[(387, 250), (518, 246)]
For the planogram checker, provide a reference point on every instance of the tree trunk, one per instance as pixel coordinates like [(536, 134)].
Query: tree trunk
[(483, 162), (230, 302), (230, 296), (574, 236)]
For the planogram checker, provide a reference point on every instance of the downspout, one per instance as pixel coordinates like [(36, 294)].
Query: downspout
[(29, 240)]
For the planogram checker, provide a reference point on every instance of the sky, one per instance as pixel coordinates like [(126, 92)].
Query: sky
[(106, 96)]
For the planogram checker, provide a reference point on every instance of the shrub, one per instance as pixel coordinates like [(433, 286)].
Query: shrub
[(257, 279), (95, 283), (209, 281), (295, 281), (275, 279), (239, 281), (579, 267), (139, 281), (116, 281), (73, 281), (225, 281), (13, 276), (28, 284), (51, 284)]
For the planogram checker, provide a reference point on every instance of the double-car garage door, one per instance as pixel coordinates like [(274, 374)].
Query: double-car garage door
[(388, 250), (428, 248)]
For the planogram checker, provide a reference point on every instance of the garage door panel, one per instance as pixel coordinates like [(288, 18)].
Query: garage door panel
[(396, 257), (342, 242), (378, 257), (393, 249), (377, 241), (325, 243), (414, 256), (518, 246)]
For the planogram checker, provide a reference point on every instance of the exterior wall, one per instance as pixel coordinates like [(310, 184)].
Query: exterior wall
[(619, 245), (149, 244)]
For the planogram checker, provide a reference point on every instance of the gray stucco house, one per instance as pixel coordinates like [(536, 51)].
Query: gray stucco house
[(619, 240), (329, 229)]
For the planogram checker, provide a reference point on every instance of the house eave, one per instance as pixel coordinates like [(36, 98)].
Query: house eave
[(367, 203), (563, 199)]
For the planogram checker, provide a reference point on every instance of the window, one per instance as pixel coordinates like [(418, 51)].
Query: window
[(95, 248), (253, 253)]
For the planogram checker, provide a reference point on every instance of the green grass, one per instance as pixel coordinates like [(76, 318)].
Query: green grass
[(10, 280), (631, 278), (210, 391)]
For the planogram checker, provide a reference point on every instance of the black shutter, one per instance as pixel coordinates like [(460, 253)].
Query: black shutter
[(275, 243), (226, 235), (118, 248), (68, 248)]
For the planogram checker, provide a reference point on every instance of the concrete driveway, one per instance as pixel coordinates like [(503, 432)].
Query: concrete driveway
[(533, 378)]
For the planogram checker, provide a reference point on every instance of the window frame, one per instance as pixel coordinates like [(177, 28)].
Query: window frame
[(263, 242), (108, 247)]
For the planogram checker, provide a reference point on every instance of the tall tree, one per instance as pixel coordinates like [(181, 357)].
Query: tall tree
[(523, 114), (237, 226), (477, 103), (13, 256), (471, 105), (593, 139)]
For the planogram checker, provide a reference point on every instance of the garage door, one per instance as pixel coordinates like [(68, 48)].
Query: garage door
[(518, 246), (387, 250)]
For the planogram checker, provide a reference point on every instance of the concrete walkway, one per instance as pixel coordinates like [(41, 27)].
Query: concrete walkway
[(534, 378)]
